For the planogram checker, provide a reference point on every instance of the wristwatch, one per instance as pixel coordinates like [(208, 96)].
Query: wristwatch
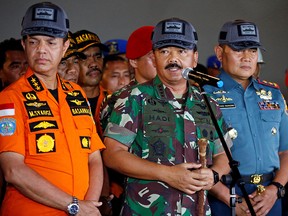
[(73, 207), (216, 176), (281, 189)]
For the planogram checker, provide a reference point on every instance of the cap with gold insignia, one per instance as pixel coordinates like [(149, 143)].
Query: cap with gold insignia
[(116, 47), (73, 48), (86, 39)]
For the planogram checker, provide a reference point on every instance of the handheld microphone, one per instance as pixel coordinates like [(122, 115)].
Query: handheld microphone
[(201, 78)]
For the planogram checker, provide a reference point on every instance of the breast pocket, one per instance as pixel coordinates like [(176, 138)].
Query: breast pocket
[(270, 121), (44, 143), (43, 137), (158, 137)]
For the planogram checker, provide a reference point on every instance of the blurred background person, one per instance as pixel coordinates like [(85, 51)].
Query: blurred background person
[(116, 73), (140, 56), (213, 65), (91, 67), (90, 75), (260, 62), (13, 62), (68, 68), (116, 47)]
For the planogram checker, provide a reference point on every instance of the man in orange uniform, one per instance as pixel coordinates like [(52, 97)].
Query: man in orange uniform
[(91, 69), (49, 146)]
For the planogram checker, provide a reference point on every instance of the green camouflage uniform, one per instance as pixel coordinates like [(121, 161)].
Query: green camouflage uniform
[(159, 128)]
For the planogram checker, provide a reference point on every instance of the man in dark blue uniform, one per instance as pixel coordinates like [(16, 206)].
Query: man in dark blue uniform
[(257, 111)]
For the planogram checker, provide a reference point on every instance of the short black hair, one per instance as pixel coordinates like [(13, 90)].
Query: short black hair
[(7, 45), (113, 58)]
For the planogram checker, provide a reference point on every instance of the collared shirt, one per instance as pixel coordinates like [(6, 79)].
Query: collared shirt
[(55, 137), (159, 128), (260, 118), (108, 104)]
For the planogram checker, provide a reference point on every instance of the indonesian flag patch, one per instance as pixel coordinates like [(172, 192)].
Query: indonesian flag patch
[(7, 109)]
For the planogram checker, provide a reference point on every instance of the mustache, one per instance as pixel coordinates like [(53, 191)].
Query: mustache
[(173, 65), (93, 69)]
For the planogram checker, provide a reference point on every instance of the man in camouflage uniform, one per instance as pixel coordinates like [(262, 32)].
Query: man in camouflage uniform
[(152, 135)]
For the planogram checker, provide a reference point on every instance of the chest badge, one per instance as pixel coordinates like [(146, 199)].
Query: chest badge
[(265, 95), (269, 105), (273, 131), (45, 143), (224, 99)]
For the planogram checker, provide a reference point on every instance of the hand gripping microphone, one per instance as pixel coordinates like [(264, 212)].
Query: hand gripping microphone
[(201, 78)]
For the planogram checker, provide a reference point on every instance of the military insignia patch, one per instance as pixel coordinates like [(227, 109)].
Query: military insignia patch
[(223, 99), (42, 125), (265, 95), (269, 105), (7, 126), (158, 148), (30, 96), (266, 83), (85, 142), (219, 92), (35, 83), (45, 143), (77, 103)]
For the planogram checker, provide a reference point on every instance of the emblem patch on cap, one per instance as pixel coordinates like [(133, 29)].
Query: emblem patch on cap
[(174, 27), (247, 30), (44, 14), (7, 126)]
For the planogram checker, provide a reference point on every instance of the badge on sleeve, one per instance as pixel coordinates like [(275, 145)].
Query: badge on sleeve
[(7, 126)]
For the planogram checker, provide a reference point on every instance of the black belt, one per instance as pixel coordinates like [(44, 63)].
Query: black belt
[(258, 178)]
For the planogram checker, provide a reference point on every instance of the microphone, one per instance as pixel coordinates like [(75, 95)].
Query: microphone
[(201, 78)]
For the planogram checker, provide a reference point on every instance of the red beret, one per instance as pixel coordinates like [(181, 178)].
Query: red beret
[(139, 43)]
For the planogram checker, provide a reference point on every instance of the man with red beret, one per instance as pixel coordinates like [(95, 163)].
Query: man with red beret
[(140, 56)]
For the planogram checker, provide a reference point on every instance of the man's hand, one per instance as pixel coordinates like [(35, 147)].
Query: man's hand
[(106, 207), (187, 178), (208, 176), (264, 201)]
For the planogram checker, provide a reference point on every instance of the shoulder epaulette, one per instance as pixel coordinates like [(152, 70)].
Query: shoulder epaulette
[(66, 85), (270, 84)]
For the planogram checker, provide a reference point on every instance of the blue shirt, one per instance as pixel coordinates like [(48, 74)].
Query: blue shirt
[(259, 114)]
